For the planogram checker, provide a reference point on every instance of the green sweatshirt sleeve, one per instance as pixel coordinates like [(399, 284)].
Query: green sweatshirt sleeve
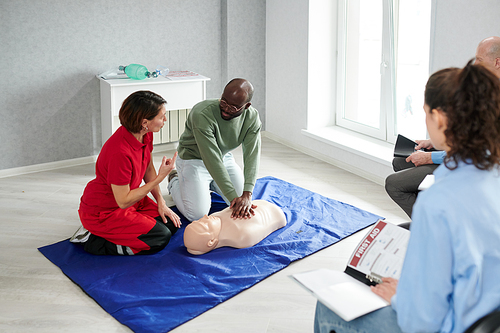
[(213, 159), (251, 155)]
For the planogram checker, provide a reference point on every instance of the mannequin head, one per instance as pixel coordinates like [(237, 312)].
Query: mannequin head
[(202, 236)]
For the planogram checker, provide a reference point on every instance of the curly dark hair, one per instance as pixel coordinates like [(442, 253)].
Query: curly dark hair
[(137, 106), (470, 99)]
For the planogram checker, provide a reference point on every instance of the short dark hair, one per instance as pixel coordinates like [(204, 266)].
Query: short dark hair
[(470, 99), (138, 106)]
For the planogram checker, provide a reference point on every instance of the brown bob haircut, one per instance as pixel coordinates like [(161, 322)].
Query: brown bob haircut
[(138, 106)]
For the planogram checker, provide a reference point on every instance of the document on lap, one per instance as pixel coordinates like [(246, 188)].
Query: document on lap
[(379, 254), (426, 183)]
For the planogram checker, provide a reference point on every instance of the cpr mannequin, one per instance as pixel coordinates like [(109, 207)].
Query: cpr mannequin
[(220, 229)]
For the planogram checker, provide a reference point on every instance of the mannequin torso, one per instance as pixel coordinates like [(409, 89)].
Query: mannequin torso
[(219, 229)]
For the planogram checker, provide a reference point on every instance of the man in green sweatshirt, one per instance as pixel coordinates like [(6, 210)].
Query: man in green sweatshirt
[(214, 128)]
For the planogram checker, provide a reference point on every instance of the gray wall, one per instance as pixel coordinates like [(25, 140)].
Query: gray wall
[(52, 50)]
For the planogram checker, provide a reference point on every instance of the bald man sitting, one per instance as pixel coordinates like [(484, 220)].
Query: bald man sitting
[(402, 186), (488, 54), (220, 229)]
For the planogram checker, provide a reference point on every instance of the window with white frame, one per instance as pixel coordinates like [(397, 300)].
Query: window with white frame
[(383, 65)]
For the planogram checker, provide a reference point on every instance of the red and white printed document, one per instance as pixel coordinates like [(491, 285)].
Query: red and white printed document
[(380, 253)]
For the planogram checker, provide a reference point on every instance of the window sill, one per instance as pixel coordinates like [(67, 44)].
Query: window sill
[(356, 143)]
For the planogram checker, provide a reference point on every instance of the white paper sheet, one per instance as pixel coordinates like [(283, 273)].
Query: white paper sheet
[(426, 183), (341, 293)]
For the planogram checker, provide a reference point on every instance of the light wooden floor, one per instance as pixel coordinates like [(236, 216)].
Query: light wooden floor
[(41, 208)]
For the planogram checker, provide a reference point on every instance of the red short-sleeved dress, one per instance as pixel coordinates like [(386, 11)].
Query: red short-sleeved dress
[(123, 160)]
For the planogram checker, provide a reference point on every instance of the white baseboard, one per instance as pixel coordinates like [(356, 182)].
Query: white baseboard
[(47, 166)]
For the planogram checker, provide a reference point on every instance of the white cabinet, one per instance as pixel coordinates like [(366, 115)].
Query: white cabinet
[(181, 95)]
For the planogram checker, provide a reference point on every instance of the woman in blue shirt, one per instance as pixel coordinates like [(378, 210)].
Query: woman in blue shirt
[(450, 273)]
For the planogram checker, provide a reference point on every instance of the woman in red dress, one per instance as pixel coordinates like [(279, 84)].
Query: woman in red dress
[(115, 207)]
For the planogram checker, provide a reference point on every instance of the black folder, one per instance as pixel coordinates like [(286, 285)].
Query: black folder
[(405, 147)]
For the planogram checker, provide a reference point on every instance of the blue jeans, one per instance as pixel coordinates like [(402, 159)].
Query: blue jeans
[(191, 188), (383, 320)]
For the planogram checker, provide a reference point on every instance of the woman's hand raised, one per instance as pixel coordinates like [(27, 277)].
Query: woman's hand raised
[(167, 165)]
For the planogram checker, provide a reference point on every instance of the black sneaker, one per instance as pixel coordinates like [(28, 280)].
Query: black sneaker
[(172, 174), (80, 236)]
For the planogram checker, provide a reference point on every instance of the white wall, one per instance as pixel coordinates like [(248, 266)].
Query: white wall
[(286, 67), (322, 46), (246, 47), (457, 27)]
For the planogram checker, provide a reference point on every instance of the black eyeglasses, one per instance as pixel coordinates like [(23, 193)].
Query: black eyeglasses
[(230, 108)]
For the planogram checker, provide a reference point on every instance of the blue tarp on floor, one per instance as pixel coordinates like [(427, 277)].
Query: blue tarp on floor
[(156, 293)]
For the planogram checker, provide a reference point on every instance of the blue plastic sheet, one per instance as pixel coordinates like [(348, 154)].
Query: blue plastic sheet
[(156, 293)]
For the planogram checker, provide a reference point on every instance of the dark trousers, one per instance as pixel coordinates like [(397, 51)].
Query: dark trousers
[(402, 186), (157, 238)]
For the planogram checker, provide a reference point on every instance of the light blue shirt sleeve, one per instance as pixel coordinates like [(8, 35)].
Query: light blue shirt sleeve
[(438, 156)]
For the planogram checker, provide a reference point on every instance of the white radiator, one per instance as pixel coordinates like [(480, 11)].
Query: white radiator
[(173, 128)]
